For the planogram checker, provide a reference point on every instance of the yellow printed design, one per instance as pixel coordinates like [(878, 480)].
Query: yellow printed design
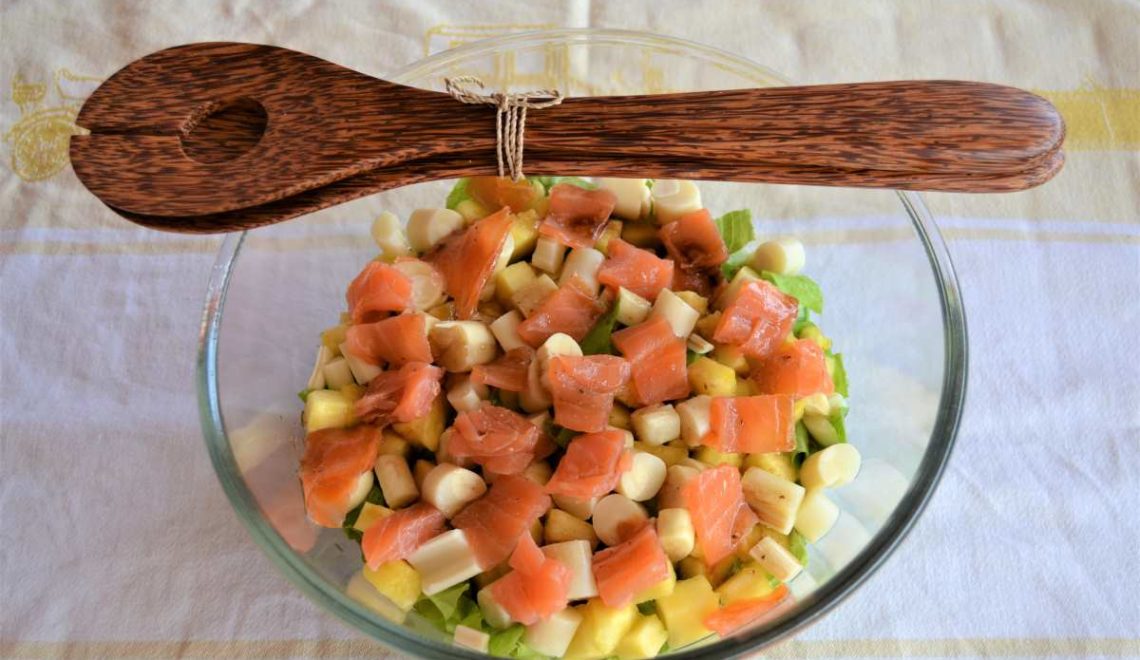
[(39, 140), (1098, 117)]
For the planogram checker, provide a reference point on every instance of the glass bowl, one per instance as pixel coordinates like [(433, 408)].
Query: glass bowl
[(893, 309)]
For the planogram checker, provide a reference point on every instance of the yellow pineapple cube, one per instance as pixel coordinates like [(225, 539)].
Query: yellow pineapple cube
[(684, 611), (750, 582), (711, 378), (398, 581), (601, 630), (426, 430), (644, 639)]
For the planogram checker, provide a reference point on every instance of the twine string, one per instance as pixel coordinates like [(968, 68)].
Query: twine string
[(510, 117)]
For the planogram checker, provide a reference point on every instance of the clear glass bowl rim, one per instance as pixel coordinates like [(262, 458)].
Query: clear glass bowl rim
[(826, 597)]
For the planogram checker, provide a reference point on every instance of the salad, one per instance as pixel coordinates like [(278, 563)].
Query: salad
[(574, 418)]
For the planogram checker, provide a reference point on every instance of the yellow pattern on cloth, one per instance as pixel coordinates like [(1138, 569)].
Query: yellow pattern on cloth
[(107, 496)]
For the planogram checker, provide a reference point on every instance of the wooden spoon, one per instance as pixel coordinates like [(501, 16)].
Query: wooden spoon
[(223, 136)]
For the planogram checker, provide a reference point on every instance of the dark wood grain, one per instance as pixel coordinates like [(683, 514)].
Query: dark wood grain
[(215, 137)]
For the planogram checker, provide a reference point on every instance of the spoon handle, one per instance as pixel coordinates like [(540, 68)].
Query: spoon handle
[(322, 123)]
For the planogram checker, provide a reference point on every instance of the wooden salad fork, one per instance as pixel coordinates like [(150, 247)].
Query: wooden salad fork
[(225, 136)]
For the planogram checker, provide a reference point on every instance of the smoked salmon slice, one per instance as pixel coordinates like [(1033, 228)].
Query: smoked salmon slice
[(583, 388), (638, 270), (402, 395), (331, 467), (592, 465), (752, 424), (495, 522), (500, 440), (572, 309), (720, 516), (507, 372), (577, 216), (536, 588), (694, 241), (657, 358), (466, 259), (377, 290), (495, 192), (757, 320), (400, 534), (797, 368), (629, 568), (734, 616), (396, 340)]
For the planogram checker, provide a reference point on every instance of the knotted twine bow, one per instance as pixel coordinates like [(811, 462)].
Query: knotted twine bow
[(510, 117)]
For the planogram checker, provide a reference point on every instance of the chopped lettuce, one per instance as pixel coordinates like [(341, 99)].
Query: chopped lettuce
[(735, 229), (838, 373), (597, 340), (648, 607), (797, 545), (458, 194), (549, 182), (374, 497), (691, 356), (508, 643), (838, 423), (450, 608), (802, 447), (562, 436), (801, 287), (304, 394)]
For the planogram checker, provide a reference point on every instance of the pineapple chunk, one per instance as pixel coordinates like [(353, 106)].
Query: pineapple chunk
[(601, 630), (360, 590), (577, 507), (370, 513), (711, 378), (612, 231), (327, 409), (561, 526), (644, 640), (731, 357), (619, 417), (426, 430), (471, 210), (398, 581), (641, 235), (524, 233), (684, 610), (706, 325), (670, 454), (528, 299), (337, 373), (512, 279), (394, 443), (332, 338), (775, 500), (710, 456), (656, 425), (782, 465), (750, 582), (659, 590)]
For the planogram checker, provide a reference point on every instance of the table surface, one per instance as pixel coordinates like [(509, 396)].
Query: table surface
[(116, 541)]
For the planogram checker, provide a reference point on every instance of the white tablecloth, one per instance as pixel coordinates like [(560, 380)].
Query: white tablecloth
[(116, 541)]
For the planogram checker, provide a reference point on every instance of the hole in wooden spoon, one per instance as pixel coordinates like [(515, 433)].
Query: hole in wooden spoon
[(222, 131)]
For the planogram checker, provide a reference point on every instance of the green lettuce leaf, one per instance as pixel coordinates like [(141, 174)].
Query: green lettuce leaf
[(458, 194), (505, 643), (838, 373), (691, 356), (304, 394), (735, 229), (800, 287), (597, 340), (449, 608), (797, 545)]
